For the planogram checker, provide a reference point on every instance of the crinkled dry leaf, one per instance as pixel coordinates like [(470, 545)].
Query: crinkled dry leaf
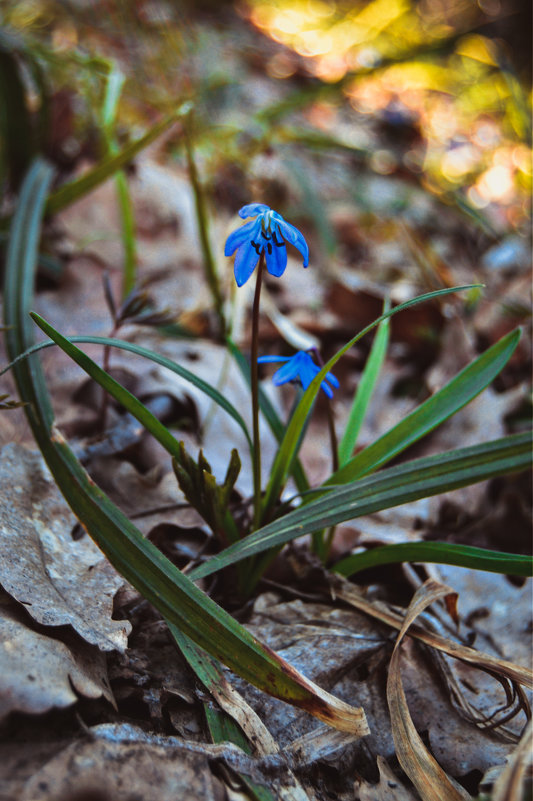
[(499, 612), (39, 673), (477, 685), (60, 581), (117, 771)]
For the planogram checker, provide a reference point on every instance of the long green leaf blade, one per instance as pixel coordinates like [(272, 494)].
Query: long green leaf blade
[(113, 387), (179, 600), (372, 369), (151, 355), (393, 486), (289, 446), (146, 353), (439, 553), (472, 380), (21, 258)]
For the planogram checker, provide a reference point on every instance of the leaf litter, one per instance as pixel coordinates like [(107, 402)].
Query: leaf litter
[(341, 650), (318, 632)]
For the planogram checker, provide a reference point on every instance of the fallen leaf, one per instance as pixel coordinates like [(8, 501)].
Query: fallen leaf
[(319, 641), (39, 672), (121, 771), (59, 580)]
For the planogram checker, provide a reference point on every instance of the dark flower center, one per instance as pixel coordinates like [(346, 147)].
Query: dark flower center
[(258, 246)]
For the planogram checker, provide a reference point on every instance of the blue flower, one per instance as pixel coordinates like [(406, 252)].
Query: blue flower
[(265, 234), (301, 366)]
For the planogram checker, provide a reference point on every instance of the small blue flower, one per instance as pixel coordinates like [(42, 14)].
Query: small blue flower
[(266, 234), (301, 366)]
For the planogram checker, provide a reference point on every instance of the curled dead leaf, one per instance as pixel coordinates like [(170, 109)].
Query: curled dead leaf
[(431, 781)]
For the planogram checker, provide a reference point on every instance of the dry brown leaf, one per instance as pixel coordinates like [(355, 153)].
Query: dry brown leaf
[(60, 581), (431, 781), (39, 673), (211, 363), (389, 787), (511, 784), (498, 611), (257, 734), (319, 642), (122, 771), (347, 592)]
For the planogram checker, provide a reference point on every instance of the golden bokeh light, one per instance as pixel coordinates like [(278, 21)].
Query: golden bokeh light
[(460, 100)]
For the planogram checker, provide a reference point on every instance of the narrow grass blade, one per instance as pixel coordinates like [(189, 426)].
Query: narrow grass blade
[(74, 190), (180, 601), (116, 390), (22, 253), (441, 553), (115, 82), (394, 486), (289, 446), (472, 380), (146, 353), (373, 366)]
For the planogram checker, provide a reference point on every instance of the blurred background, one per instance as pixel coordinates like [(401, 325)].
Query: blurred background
[(434, 93)]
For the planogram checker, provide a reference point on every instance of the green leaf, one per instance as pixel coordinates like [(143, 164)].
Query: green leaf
[(373, 366), (209, 390), (443, 404), (290, 443), (116, 390), (74, 190), (393, 486), (441, 553), (180, 601), (21, 257)]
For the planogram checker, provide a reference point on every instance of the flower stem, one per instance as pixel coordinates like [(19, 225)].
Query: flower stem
[(255, 394)]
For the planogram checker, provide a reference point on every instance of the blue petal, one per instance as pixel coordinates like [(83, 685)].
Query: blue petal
[(245, 262), (252, 210), (236, 238), (294, 236), (272, 359), (276, 260), (327, 390), (332, 380), (287, 373), (308, 370)]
